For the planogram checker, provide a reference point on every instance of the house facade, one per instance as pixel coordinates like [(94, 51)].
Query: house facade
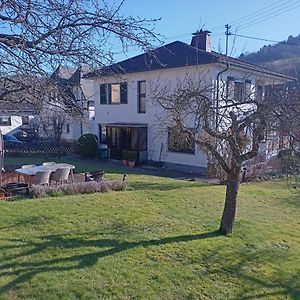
[(59, 117), (16, 116), (128, 117)]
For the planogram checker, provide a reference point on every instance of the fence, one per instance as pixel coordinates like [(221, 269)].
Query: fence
[(65, 148)]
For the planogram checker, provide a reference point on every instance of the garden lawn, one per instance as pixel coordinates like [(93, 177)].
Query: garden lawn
[(157, 240)]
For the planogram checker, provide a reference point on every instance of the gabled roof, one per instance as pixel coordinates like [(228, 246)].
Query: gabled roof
[(175, 55)]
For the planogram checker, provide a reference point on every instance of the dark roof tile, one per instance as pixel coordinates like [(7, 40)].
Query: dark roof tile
[(175, 55)]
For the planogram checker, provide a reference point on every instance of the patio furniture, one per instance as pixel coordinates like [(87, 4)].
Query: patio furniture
[(42, 177), (48, 163), (61, 175), (94, 176), (24, 176), (52, 168), (28, 166)]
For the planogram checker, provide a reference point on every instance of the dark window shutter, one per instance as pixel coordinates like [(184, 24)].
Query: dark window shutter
[(123, 89), (109, 93), (103, 93)]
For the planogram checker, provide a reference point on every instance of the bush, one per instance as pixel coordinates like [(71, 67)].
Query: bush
[(37, 191), (88, 145)]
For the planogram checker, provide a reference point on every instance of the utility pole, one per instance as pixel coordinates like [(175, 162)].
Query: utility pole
[(227, 33)]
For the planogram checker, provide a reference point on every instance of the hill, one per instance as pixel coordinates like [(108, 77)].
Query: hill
[(283, 57)]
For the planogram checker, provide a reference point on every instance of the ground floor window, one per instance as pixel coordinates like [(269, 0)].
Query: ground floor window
[(182, 142)]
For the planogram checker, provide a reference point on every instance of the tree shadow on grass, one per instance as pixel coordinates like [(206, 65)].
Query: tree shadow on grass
[(237, 263), (293, 199), (25, 271), (257, 270)]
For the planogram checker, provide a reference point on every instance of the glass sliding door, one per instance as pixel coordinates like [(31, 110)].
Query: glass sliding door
[(126, 138)]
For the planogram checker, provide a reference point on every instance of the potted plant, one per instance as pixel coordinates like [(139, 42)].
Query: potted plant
[(125, 157), (132, 158)]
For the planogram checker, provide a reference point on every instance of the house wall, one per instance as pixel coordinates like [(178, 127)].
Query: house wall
[(16, 122), (128, 113), (155, 115), (86, 123)]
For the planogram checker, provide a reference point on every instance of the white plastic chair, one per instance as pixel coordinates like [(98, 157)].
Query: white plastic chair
[(61, 175), (28, 166), (26, 178), (48, 163), (41, 178)]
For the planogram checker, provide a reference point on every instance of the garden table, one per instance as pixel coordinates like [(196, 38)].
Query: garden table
[(53, 167)]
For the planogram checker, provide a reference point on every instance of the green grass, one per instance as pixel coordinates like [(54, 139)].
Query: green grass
[(157, 240)]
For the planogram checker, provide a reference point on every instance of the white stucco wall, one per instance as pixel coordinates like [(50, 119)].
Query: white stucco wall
[(157, 134), (128, 113)]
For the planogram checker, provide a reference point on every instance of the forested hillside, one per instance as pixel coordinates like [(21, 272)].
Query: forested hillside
[(283, 57)]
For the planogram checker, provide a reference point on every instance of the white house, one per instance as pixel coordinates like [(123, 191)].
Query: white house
[(126, 112), (16, 116), (75, 91)]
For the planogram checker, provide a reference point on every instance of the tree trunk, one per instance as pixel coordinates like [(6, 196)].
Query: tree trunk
[(228, 216)]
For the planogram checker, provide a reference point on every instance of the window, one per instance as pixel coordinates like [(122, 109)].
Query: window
[(102, 134), (229, 87), (259, 93), (238, 89), (67, 128), (5, 121), (180, 142), (141, 96), (103, 94), (113, 93), (25, 120)]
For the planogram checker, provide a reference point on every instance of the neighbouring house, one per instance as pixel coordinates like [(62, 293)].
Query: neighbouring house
[(17, 116), (124, 98), (58, 118)]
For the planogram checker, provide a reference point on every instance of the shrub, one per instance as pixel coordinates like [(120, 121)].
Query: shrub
[(90, 187), (88, 145)]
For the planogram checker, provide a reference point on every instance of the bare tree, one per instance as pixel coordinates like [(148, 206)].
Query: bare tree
[(228, 124), (37, 36)]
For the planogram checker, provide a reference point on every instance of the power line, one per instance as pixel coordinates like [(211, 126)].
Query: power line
[(259, 12), (268, 16), (263, 39)]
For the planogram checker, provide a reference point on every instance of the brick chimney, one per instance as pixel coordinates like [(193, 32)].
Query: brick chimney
[(202, 40)]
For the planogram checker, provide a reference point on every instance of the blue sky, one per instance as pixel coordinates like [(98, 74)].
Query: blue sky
[(179, 18)]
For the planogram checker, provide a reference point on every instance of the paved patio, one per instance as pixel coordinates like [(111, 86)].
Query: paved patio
[(145, 170)]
